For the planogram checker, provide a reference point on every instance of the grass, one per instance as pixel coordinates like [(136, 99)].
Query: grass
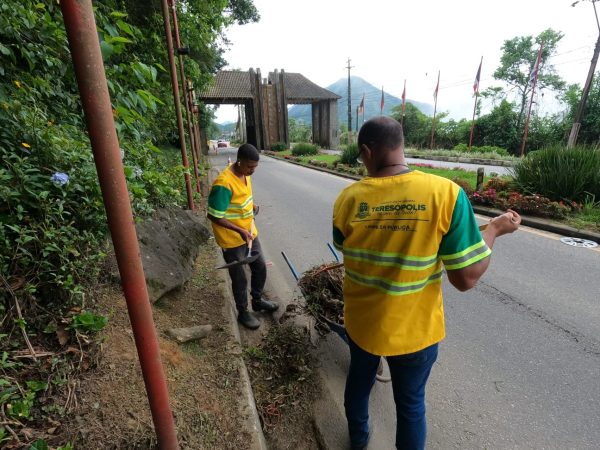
[(454, 153), (465, 175), (588, 218)]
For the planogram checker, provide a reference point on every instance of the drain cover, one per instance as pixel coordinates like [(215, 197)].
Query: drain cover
[(577, 242)]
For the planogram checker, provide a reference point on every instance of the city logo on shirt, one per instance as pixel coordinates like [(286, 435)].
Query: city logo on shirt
[(363, 210), (399, 207)]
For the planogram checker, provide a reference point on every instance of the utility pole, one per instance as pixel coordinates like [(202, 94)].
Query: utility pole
[(586, 89), (349, 101)]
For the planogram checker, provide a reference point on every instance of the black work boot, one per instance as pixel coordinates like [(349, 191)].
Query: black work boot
[(264, 305), (248, 320)]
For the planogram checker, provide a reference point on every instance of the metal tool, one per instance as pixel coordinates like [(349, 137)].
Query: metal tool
[(251, 257)]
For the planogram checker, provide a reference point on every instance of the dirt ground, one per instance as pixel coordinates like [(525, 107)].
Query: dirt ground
[(203, 377)]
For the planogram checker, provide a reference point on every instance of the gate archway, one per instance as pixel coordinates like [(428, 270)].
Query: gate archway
[(265, 101)]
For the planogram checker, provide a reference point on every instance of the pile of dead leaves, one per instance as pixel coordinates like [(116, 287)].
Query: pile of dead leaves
[(322, 287), (281, 373)]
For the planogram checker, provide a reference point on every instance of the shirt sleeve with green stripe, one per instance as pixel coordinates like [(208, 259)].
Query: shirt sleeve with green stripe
[(218, 200), (463, 245)]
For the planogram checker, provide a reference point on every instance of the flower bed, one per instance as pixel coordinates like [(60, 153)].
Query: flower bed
[(499, 193)]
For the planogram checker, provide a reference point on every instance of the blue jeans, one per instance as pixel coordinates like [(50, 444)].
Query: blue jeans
[(409, 377)]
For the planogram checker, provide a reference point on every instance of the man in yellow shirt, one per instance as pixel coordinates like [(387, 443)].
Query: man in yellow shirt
[(231, 210), (397, 228)]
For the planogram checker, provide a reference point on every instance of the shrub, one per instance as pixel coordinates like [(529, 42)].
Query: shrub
[(464, 148), (534, 205), (464, 185), (278, 147), (305, 149), (349, 155), (558, 173)]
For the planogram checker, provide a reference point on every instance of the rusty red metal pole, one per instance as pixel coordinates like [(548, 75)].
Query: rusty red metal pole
[(175, 85), (85, 49), (185, 95)]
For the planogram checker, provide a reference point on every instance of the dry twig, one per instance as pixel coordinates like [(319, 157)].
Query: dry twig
[(18, 308)]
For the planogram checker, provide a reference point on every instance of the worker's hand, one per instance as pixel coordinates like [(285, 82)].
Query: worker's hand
[(256, 208), (246, 235), (506, 223)]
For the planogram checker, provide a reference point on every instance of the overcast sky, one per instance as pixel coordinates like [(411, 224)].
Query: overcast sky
[(389, 41)]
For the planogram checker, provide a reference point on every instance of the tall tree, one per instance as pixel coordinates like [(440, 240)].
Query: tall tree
[(518, 62)]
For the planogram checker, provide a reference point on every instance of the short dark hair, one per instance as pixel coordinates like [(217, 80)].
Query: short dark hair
[(248, 152), (381, 132)]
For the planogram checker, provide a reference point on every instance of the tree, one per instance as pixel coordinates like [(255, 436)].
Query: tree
[(299, 131), (417, 126), (589, 133), (499, 128), (518, 63)]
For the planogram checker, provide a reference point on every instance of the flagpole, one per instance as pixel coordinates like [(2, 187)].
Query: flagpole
[(473, 121), (434, 111), (403, 104), (535, 78), (381, 103), (476, 86), (362, 108)]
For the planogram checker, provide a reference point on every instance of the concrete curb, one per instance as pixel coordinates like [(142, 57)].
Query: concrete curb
[(533, 222), (460, 159), (544, 224), (248, 405)]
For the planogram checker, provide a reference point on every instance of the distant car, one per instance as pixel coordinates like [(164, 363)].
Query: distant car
[(221, 143)]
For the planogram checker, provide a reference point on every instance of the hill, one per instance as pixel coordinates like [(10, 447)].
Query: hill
[(226, 129), (360, 87)]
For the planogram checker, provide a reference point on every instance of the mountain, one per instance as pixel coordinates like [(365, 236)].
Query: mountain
[(359, 87), (227, 128)]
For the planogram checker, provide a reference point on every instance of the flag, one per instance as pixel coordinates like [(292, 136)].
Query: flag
[(382, 101), (361, 107), (437, 88), (477, 78), (533, 75), (534, 72)]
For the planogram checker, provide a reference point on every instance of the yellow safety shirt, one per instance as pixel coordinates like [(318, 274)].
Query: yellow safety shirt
[(231, 198), (394, 233)]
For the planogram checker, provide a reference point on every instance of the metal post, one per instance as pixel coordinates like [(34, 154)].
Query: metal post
[(175, 85), (479, 182), (186, 96), (89, 69), (473, 120), (434, 111), (349, 102)]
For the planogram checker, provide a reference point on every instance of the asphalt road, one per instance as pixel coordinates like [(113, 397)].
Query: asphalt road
[(520, 366)]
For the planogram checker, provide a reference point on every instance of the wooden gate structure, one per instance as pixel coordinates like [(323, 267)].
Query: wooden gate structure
[(265, 103)]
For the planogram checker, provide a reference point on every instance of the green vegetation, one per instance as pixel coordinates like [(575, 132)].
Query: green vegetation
[(278, 147), (588, 217), (53, 232), (349, 154), (474, 150), (305, 149), (560, 174), (465, 176), (412, 152), (298, 130)]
